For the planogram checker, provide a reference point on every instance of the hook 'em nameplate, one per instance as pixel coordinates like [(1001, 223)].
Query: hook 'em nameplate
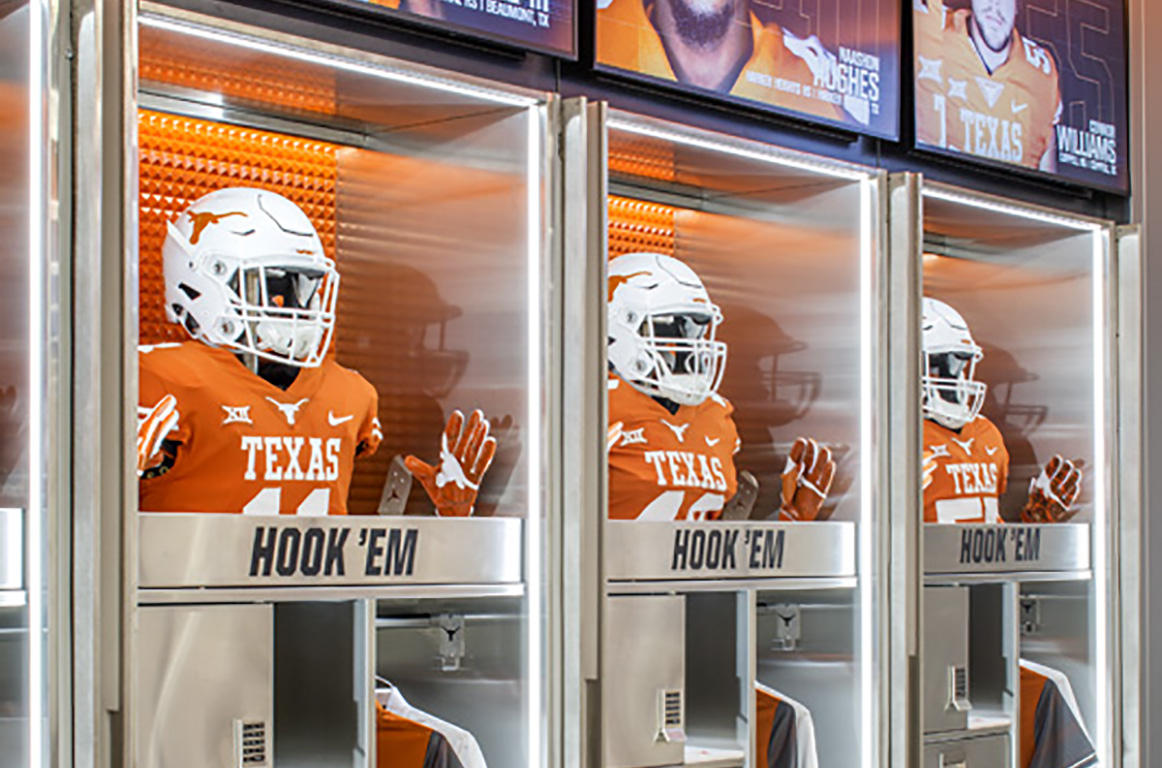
[(666, 551), (212, 550), (1006, 548)]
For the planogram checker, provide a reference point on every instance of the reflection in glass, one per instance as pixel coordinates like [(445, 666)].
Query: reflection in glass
[(23, 682)]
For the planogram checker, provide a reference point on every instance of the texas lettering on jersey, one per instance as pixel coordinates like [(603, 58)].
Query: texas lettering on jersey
[(665, 466), (243, 445), (964, 472), (1008, 114)]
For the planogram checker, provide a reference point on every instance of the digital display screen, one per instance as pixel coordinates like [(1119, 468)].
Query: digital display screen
[(540, 25), (1039, 84), (831, 61)]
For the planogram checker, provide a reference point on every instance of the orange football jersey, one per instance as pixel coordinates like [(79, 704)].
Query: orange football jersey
[(1007, 115), (929, 17), (627, 39), (665, 466), (774, 731), (399, 742), (244, 445), (965, 472), (406, 737), (1051, 733), (784, 731), (404, 743)]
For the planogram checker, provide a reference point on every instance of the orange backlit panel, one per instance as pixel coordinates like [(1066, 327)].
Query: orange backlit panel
[(638, 226), (640, 156), (269, 81), (182, 159)]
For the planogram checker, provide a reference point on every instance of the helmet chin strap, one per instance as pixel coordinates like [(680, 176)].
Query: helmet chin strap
[(280, 375), (276, 374), (668, 404), (942, 423), (947, 420)]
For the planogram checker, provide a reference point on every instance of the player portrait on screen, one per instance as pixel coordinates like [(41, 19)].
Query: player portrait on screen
[(672, 437), (982, 87), (431, 9), (252, 414), (719, 45), (966, 466)]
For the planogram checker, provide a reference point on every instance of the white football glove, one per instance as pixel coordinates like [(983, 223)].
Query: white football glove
[(153, 426), (466, 452)]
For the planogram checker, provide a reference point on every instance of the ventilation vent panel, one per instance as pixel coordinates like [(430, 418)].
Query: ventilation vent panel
[(671, 716), (250, 738)]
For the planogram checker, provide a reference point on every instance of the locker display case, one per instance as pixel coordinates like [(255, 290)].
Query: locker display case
[(414, 601), (1019, 609), (680, 574)]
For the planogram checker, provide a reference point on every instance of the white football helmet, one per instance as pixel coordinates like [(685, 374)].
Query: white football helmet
[(950, 394), (245, 270), (662, 328)]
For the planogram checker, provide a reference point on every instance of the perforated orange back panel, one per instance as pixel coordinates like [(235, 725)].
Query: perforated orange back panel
[(271, 81), (642, 157), (182, 159), (638, 226)]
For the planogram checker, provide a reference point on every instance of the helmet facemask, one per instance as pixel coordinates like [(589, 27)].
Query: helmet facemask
[(680, 358), (950, 393), (276, 308), (245, 271), (282, 314)]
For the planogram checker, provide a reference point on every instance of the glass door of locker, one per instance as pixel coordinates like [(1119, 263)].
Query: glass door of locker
[(341, 299), (1017, 529), (731, 357), (34, 537)]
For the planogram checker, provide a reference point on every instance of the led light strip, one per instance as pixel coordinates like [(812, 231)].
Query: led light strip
[(37, 710), (535, 387), (335, 62), (1013, 210), (867, 595), (1100, 512), (770, 157)]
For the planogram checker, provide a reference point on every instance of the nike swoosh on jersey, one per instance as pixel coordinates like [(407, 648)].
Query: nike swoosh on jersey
[(713, 441), (1019, 108), (991, 451), (335, 421)]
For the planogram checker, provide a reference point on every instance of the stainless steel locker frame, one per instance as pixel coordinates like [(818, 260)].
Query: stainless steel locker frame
[(37, 539), (106, 239), (586, 126), (904, 287), (1131, 449)]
